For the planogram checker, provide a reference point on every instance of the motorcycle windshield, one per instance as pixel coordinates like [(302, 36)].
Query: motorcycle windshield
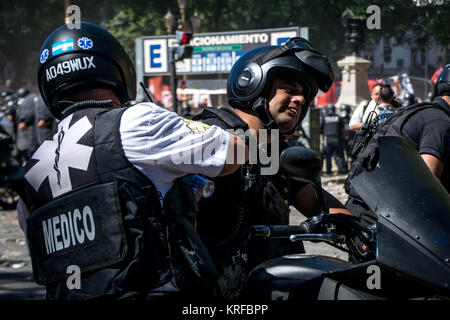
[(413, 210)]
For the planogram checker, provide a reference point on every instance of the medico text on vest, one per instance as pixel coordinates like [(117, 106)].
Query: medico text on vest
[(68, 230)]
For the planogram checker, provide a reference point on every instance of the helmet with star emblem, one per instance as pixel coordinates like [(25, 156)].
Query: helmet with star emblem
[(86, 57)]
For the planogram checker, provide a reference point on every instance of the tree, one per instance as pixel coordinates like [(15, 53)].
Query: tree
[(22, 31), (24, 24)]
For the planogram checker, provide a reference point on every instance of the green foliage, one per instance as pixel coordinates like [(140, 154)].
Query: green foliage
[(22, 31), (137, 19), (24, 24)]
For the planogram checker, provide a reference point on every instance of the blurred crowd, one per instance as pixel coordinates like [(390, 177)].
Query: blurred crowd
[(24, 123), (339, 124)]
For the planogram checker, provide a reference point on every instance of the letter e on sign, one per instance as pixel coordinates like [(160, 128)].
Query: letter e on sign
[(74, 280), (155, 56)]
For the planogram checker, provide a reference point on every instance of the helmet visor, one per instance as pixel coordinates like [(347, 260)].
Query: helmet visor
[(318, 66), (298, 43)]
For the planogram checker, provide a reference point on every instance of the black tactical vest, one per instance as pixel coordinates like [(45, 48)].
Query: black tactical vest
[(332, 126), (92, 209), (238, 204)]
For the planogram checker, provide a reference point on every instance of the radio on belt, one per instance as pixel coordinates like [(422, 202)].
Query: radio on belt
[(201, 186)]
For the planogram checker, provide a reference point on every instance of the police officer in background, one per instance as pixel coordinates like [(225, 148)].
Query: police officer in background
[(268, 88), (93, 192), (26, 132), (8, 122), (8, 149), (360, 114), (333, 140), (4, 95), (45, 122), (409, 99), (344, 114)]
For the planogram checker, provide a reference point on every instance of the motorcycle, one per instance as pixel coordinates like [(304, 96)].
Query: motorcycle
[(406, 256)]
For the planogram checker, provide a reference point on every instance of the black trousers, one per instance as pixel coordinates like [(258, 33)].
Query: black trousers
[(336, 150)]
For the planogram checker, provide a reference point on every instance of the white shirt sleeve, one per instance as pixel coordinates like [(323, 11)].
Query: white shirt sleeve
[(371, 107), (357, 115), (164, 146)]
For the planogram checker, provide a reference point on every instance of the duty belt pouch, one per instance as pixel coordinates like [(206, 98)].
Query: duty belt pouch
[(86, 232)]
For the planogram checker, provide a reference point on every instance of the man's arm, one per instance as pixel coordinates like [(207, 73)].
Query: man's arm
[(42, 123), (355, 122), (434, 164), (307, 203), (355, 127), (236, 149)]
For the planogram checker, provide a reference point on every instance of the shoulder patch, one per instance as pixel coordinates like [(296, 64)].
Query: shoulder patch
[(196, 126)]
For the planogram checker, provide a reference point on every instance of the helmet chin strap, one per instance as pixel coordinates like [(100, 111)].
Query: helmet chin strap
[(261, 107)]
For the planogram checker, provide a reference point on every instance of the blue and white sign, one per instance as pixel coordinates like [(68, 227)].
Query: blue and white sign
[(156, 56), (44, 55), (212, 52), (62, 46), (85, 43)]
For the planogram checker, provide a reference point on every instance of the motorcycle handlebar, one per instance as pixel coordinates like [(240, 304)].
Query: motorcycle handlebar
[(281, 231)]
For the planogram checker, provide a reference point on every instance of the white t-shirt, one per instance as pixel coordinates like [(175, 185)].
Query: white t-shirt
[(359, 117), (357, 114), (164, 146)]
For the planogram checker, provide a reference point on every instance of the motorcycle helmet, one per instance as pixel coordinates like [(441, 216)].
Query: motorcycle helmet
[(89, 57), (345, 110), (11, 99), (331, 109), (252, 75), (442, 87), (22, 92), (4, 94)]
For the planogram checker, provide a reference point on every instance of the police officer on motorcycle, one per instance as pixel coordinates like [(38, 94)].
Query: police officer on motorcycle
[(92, 193), (269, 88)]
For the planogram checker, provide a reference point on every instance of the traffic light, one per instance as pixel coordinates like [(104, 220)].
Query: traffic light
[(183, 37), (184, 50)]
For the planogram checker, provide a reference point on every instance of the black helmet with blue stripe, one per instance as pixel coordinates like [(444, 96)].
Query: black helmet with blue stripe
[(80, 58)]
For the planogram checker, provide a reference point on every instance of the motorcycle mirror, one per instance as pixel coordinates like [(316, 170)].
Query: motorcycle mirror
[(301, 164)]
